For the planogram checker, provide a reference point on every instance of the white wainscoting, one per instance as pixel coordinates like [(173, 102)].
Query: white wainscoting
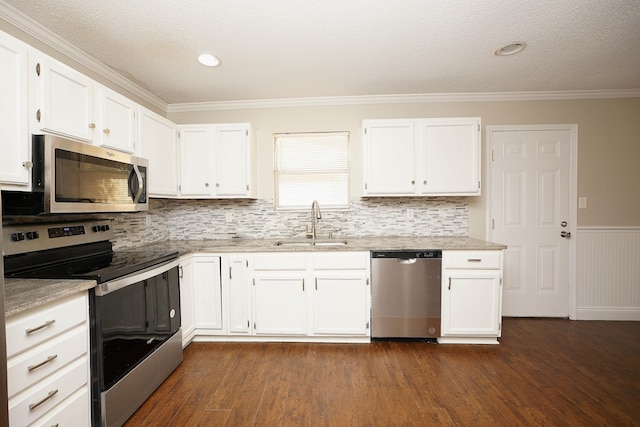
[(608, 273)]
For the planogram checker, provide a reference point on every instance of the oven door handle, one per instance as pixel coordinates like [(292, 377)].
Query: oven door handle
[(136, 189), (155, 270)]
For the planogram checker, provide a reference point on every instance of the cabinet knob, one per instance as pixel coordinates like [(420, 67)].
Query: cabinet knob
[(92, 125), (217, 184), (206, 184), (106, 131), (413, 182)]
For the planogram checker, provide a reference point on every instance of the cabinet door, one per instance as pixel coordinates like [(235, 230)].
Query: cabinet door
[(450, 153), (233, 161), (66, 100), (239, 289), (389, 159), (207, 293), (157, 140), (471, 303), (280, 304), (14, 129), (116, 120), (341, 304), (187, 301), (196, 147)]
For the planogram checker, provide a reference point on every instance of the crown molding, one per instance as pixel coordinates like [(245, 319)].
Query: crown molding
[(34, 29), (403, 99)]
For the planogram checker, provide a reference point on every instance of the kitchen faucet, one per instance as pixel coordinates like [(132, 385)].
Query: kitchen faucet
[(315, 215)]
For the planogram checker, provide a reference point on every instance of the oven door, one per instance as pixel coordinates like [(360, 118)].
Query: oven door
[(134, 316)]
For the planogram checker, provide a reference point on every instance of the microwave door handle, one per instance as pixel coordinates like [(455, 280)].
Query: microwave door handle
[(138, 190)]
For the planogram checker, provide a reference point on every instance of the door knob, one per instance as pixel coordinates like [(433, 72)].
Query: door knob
[(565, 234)]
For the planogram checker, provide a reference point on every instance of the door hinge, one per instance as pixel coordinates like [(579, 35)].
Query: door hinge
[(367, 325), (493, 156), (38, 69), (478, 184), (230, 273), (367, 281), (248, 324), (501, 281), (316, 280), (365, 185), (302, 285), (254, 281), (365, 131), (493, 224), (246, 132), (254, 325), (247, 187), (246, 262), (38, 115), (478, 127)]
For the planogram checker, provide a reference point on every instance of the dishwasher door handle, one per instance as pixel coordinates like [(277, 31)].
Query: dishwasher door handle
[(407, 261)]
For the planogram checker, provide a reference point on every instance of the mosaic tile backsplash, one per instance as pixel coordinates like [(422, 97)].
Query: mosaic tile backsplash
[(207, 219)]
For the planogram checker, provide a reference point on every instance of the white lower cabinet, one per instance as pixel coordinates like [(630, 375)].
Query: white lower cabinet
[(293, 296), (200, 296), (471, 297), (238, 294), (280, 305), (48, 364)]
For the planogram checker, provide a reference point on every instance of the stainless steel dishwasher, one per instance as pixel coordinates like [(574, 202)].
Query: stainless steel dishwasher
[(405, 287)]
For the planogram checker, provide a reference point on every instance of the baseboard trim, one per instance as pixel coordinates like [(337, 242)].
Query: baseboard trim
[(606, 313)]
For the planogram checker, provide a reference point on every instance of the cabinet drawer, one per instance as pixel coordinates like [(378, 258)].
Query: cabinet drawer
[(75, 411), (477, 260), (341, 261), (37, 401), (36, 364), (268, 262), (28, 329)]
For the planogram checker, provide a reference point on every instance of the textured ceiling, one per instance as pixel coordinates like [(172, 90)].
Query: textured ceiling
[(314, 48)]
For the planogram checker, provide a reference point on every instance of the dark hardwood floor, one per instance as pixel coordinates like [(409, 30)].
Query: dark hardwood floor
[(545, 372)]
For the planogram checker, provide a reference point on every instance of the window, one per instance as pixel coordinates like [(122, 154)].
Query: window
[(311, 166)]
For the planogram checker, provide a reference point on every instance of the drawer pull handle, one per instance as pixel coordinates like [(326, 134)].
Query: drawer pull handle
[(44, 362), (47, 397), (37, 328), (474, 259)]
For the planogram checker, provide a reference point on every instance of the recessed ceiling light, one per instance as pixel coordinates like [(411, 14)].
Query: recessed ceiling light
[(511, 49), (209, 60)]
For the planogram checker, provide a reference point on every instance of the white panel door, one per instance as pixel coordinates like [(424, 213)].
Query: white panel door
[(340, 304), (196, 154), (239, 298), (207, 293), (157, 141), (389, 157), (66, 101), (280, 304), (451, 157), (232, 160), (14, 132), (117, 120), (531, 173)]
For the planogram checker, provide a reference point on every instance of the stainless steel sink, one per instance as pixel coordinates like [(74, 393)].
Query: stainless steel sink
[(309, 243)]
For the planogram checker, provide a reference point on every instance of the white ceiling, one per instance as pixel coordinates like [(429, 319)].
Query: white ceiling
[(273, 49)]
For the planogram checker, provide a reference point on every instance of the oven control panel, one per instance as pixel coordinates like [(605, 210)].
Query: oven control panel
[(33, 237)]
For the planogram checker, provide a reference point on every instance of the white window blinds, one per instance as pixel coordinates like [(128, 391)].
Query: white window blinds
[(312, 166)]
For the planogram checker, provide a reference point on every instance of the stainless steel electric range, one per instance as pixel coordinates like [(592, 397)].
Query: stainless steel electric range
[(136, 339)]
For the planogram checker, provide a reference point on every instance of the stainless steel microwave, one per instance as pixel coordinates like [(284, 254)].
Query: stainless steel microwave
[(74, 177)]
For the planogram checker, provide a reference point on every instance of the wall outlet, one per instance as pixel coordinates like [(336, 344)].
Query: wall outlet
[(409, 213), (229, 216), (582, 202)]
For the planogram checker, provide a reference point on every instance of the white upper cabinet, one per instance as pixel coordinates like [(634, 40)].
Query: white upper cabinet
[(64, 100), (196, 154), (389, 157), (450, 157), (217, 161), (422, 157), (116, 120), (157, 143), (14, 127)]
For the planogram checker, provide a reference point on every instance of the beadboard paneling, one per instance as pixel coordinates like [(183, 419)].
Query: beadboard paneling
[(608, 274)]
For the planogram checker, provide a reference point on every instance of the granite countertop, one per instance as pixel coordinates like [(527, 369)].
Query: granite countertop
[(186, 247), (24, 294)]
